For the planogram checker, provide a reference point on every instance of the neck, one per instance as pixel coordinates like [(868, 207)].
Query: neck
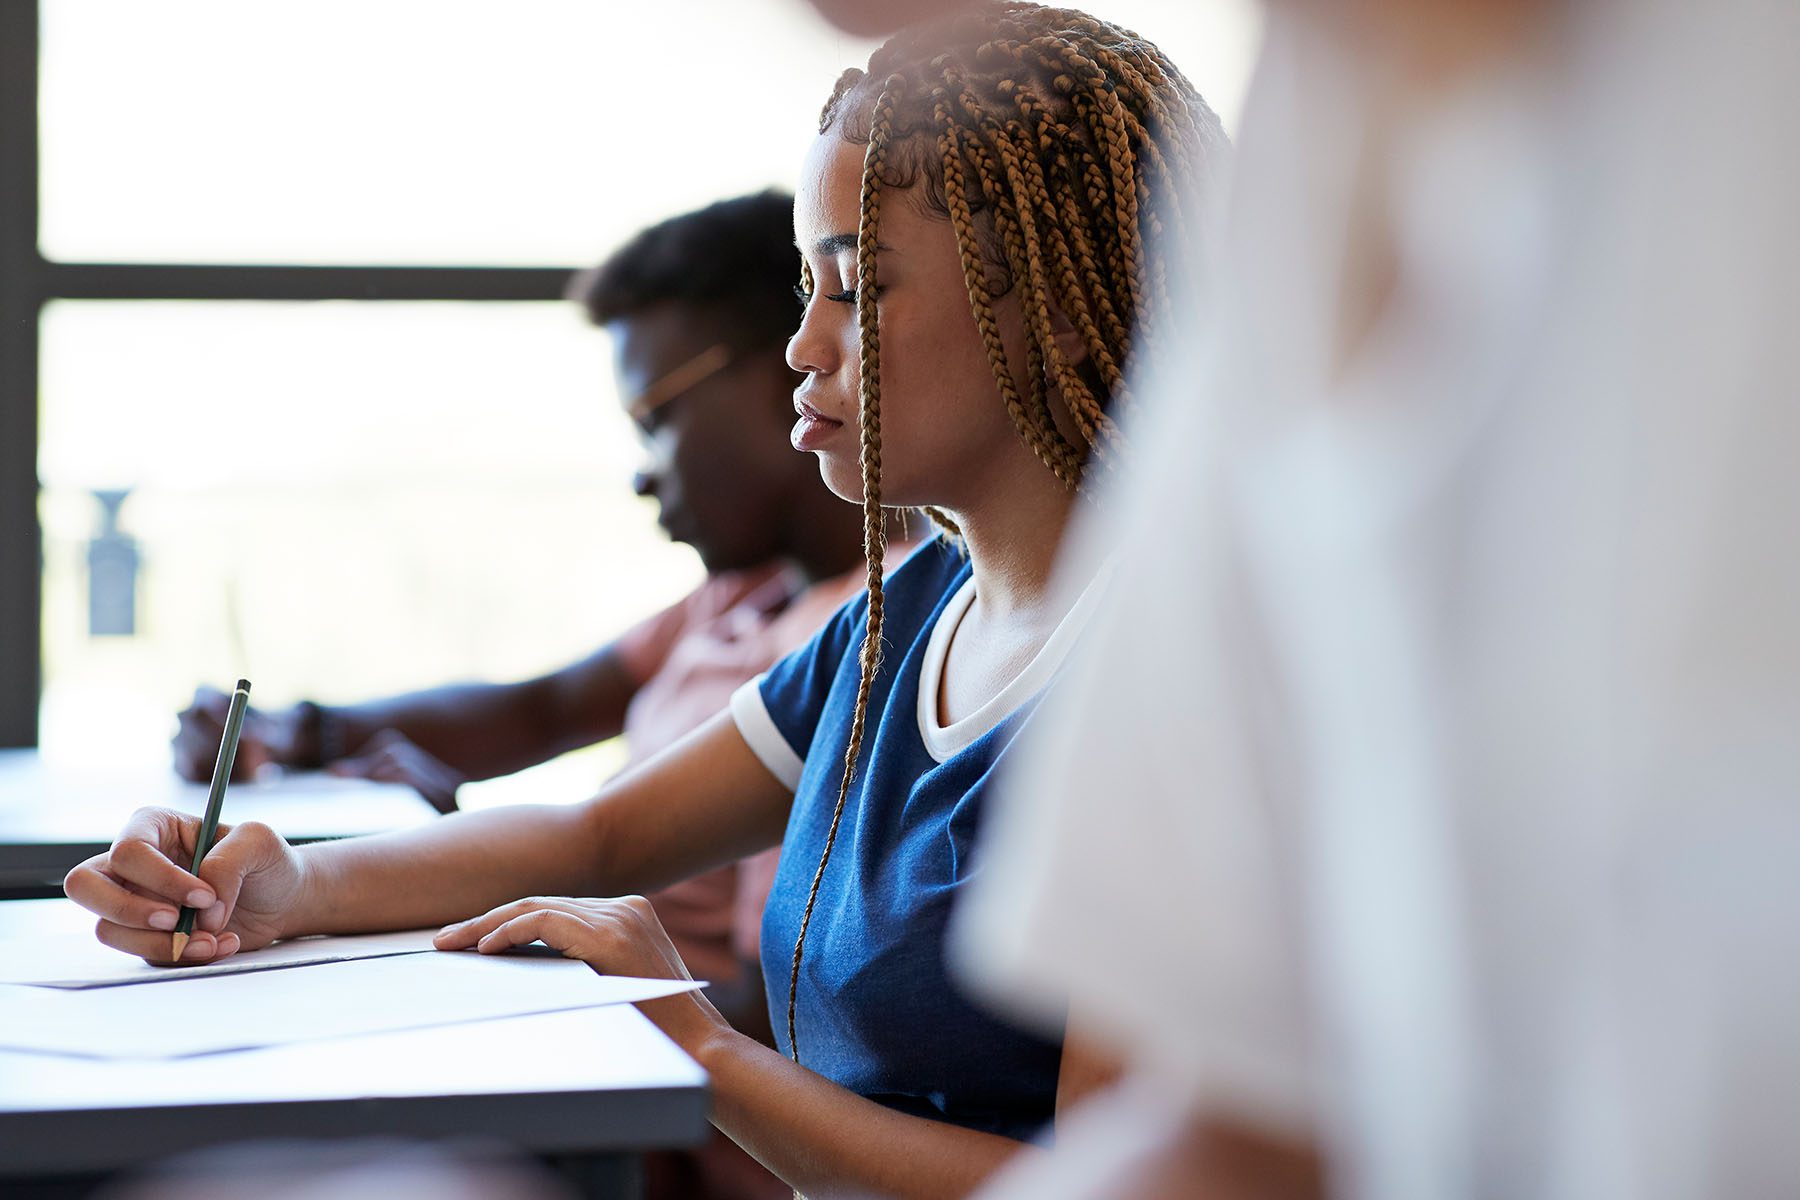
[(1013, 534)]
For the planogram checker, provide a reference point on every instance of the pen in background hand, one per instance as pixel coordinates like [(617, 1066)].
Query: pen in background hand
[(215, 801)]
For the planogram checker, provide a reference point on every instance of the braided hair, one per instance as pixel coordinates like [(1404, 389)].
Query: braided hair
[(1060, 148)]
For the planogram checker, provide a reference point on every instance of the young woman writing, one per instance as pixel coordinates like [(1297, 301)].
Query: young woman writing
[(980, 223)]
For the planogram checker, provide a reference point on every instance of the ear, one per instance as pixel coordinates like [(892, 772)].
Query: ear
[(1069, 342)]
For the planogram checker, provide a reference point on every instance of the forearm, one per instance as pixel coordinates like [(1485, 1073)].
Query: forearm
[(705, 801), (825, 1140), (445, 871), (480, 729), (486, 729)]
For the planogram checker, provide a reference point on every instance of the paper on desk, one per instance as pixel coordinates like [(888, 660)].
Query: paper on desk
[(78, 961), (332, 1000)]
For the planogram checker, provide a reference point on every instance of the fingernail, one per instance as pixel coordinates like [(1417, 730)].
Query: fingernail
[(162, 918), (199, 898), (198, 949)]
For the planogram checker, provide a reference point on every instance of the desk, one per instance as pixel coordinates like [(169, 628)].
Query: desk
[(53, 817), (594, 1086)]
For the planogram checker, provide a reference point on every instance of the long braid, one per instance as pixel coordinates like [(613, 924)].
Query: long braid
[(1059, 148), (874, 526)]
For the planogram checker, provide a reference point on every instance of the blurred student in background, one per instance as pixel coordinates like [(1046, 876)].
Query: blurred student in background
[(1421, 819), (699, 309)]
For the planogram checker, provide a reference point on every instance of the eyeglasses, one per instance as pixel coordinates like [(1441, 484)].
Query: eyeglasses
[(685, 378)]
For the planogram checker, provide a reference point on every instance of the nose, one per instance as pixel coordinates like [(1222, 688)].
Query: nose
[(811, 351), (658, 448)]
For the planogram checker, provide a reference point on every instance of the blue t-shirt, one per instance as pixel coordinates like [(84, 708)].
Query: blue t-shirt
[(876, 1011)]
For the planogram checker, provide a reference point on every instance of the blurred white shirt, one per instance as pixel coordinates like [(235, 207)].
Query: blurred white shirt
[(1432, 783)]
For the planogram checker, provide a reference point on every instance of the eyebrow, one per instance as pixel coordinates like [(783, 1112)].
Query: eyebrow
[(837, 243)]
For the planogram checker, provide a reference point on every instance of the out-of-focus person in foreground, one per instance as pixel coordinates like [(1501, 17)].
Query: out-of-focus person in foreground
[(1422, 815)]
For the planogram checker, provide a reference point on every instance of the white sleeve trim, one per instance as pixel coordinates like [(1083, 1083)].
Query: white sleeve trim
[(765, 740)]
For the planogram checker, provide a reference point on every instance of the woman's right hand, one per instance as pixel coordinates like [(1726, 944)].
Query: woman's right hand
[(247, 893)]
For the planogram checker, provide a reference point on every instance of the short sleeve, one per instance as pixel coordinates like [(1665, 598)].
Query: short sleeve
[(779, 711)]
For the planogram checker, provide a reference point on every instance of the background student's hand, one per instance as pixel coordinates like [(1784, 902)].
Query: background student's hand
[(391, 758), (251, 880), (266, 737)]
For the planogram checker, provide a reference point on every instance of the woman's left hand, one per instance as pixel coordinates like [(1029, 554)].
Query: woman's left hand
[(615, 937)]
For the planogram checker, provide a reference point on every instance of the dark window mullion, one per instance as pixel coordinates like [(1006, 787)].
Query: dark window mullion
[(184, 281), (20, 297)]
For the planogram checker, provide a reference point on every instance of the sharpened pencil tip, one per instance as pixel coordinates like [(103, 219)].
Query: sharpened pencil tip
[(179, 941)]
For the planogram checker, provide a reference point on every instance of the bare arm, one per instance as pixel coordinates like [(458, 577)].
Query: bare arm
[(480, 730), (826, 1140), (706, 800), (489, 729)]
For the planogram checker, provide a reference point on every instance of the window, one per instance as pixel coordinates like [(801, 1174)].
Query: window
[(281, 334)]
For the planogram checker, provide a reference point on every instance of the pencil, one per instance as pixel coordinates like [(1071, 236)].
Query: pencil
[(215, 801)]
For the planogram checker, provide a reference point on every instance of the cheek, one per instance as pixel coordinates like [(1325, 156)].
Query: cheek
[(941, 409)]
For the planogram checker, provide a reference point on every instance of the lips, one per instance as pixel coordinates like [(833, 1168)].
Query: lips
[(814, 429)]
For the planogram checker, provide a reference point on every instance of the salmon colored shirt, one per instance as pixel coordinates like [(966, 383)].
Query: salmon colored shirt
[(688, 659)]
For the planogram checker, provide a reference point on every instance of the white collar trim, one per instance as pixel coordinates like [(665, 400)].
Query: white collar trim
[(943, 742)]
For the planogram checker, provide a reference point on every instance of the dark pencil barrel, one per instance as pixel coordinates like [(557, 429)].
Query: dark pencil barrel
[(215, 800)]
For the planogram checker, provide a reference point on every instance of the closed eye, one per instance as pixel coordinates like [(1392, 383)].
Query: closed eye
[(848, 296)]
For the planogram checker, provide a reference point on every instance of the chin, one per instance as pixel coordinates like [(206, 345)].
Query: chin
[(843, 476)]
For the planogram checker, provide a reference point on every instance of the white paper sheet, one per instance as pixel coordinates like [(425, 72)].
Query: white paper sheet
[(78, 961), (331, 1000)]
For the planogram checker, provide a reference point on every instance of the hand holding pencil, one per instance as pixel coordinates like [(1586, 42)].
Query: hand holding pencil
[(174, 882)]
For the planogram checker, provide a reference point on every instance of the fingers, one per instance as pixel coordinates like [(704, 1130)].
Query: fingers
[(198, 730), (91, 887), (154, 947), (464, 934), (140, 864), (201, 727), (561, 931), (389, 757), (376, 758)]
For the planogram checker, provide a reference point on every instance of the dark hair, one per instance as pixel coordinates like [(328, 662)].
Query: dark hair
[(735, 257)]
